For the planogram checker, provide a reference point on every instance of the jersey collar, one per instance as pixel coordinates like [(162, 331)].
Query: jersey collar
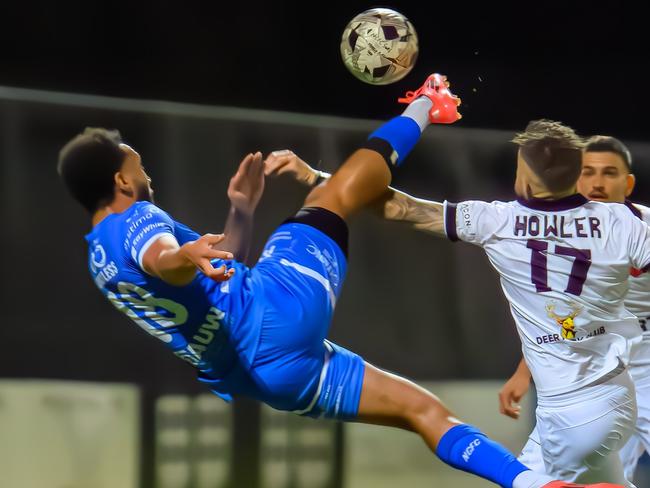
[(567, 203)]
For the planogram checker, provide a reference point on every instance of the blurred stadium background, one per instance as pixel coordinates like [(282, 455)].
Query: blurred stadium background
[(88, 401)]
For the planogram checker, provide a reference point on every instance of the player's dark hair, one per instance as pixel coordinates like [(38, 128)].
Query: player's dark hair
[(610, 144), (553, 151), (87, 164)]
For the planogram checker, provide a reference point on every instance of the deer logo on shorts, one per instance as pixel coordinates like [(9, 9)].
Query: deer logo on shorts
[(565, 321)]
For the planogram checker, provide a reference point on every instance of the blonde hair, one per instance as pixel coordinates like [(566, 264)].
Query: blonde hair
[(553, 151)]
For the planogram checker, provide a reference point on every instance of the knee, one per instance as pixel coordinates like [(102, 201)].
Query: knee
[(329, 196), (340, 192), (427, 411)]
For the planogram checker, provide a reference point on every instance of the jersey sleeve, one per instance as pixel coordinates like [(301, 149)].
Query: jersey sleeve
[(471, 221), (184, 234), (639, 244), (147, 225)]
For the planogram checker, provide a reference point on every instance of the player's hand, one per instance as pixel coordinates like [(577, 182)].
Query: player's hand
[(247, 185), (287, 162), (512, 392), (200, 253)]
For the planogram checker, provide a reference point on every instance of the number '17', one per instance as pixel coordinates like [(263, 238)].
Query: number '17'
[(539, 268)]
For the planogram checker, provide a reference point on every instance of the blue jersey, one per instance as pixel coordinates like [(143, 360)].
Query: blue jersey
[(193, 320), (261, 334)]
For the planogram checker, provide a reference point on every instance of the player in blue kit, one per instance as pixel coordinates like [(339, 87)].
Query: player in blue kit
[(261, 331)]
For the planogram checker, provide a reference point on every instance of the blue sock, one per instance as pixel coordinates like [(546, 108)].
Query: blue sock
[(395, 139), (466, 448)]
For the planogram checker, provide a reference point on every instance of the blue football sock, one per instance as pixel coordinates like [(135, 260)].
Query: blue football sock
[(466, 448), (395, 139)]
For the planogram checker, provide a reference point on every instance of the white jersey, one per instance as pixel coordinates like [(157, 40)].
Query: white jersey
[(637, 301), (564, 268)]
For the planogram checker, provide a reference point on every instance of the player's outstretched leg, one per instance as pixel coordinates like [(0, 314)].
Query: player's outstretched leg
[(389, 400), (366, 173)]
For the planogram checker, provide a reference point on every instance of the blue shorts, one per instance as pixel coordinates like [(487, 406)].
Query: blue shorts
[(299, 278)]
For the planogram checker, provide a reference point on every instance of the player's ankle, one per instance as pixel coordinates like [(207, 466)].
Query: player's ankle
[(418, 110), (531, 479)]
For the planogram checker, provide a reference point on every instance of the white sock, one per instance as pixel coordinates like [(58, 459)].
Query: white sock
[(530, 479), (418, 110)]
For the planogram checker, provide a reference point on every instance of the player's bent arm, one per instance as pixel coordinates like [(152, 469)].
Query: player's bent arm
[(287, 162), (244, 192), (238, 232), (396, 205), (177, 265), (425, 215)]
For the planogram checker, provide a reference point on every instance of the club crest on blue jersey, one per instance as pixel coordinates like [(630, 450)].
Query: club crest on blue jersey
[(98, 257)]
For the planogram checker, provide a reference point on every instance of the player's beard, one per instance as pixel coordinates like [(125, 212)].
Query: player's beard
[(144, 193)]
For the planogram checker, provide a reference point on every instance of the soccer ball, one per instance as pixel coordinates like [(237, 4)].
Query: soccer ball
[(379, 46)]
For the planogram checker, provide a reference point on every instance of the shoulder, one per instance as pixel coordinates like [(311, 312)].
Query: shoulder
[(471, 211), (624, 218), (143, 220), (144, 208), (612, 209), (476, 220), (495, 207), (643, 211), (495, 204), (501, 205), (144, 213), (629, 211)]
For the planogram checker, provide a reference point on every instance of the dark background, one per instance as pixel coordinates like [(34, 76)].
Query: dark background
[(580, 62)]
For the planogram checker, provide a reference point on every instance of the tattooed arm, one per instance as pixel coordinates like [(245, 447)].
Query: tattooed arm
[(394, 205), (425, 215)]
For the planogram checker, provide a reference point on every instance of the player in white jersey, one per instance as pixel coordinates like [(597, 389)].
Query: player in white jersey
[(564, 263), (606, 177)]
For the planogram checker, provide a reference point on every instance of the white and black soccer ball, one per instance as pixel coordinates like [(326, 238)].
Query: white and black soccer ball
[(379, 46)]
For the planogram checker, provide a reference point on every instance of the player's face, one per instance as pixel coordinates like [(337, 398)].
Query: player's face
[(605, 177), (134, 172)]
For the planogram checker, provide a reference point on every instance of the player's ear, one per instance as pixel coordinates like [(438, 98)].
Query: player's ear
[(122, 183), (631, 180)]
